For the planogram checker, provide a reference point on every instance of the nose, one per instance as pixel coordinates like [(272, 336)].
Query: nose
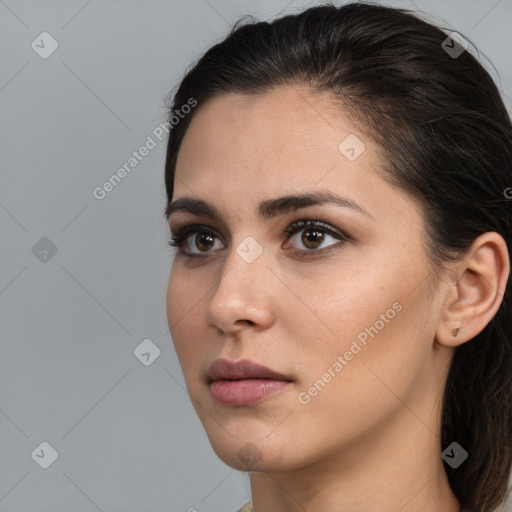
[(242, 294)]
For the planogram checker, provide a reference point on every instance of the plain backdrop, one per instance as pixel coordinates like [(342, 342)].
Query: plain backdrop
[(83, 280)]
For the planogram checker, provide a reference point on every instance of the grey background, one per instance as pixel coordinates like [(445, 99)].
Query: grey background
[(126, 434)]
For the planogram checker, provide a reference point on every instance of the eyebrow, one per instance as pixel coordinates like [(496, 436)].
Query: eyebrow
[(269, 208)]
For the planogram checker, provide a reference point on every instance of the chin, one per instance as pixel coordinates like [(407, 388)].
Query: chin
[(252, 451)]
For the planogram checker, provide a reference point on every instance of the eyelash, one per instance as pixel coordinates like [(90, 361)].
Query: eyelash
[(177, 239)]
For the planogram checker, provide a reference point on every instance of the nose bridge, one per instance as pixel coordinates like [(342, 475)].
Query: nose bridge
[(236, 294), (244, 264)]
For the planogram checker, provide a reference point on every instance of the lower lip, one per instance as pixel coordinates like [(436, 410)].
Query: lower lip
[(244, 392)]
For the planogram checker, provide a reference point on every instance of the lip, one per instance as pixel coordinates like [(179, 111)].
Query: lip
[(223, 369), (244, 382)]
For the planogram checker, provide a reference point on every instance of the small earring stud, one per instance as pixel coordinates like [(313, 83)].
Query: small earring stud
[(455, 331)]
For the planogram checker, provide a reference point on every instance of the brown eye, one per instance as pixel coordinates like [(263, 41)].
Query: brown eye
[(311, 238), (203, 241), (313, 235)]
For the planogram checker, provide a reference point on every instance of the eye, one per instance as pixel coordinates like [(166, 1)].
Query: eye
[(314, 234), (204, 239)]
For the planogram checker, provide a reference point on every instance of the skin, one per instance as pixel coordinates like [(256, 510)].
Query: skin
[(370, 439)]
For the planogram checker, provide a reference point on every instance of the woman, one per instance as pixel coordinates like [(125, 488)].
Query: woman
[(340, 299)]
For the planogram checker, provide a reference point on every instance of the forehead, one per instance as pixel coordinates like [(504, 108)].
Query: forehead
[(288, 133), (241, 149)]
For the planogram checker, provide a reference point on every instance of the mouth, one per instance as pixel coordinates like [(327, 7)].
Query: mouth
[(243, 382)]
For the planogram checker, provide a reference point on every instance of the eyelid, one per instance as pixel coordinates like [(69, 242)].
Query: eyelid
[(180, 235)]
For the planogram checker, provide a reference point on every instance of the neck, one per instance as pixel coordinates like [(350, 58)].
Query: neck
[(384, 477)]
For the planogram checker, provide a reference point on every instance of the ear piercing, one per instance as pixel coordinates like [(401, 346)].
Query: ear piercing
[(455, 331)]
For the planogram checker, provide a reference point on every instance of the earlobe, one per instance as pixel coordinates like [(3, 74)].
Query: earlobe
[(476, 295)]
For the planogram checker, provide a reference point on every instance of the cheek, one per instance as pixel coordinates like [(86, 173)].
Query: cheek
[(183, 305), (344, 303), (368, 314), (380, 344), (175, 291)]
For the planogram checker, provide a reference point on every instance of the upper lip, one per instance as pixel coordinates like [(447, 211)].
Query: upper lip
[(243, 369)]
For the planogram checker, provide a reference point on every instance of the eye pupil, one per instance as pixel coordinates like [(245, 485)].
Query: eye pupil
[(201, 237), (314, 238)]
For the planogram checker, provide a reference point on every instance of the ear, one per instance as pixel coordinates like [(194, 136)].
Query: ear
[(476, 290)]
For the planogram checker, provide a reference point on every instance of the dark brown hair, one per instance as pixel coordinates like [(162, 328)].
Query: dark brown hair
[(447, 140)]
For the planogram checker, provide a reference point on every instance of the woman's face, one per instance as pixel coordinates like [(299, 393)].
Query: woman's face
[(342, 309)]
